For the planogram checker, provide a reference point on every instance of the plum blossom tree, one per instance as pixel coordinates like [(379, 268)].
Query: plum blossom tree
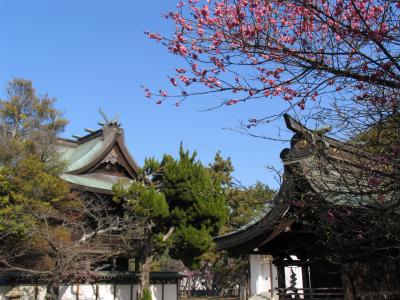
[(336, 59), (298, 50)]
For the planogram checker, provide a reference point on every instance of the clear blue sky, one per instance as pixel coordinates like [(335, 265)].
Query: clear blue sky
[(92, 54)]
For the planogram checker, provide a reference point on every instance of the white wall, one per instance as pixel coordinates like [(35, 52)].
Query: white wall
[(170, 291), (261, 277), (134, 292), (156, 291), (42, 292), (88, 292), (84, 291), (106, 291), (4, 289), (27, 291), (123, 292)]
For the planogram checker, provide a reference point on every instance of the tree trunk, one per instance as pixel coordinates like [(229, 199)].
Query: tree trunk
[(52, 291), (144, 279), (348, 283)]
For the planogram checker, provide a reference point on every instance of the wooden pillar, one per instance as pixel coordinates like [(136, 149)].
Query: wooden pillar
[(36, 292), (281, 276), (306, 276), (177, 289), (271, 278), (97, 292), (131, 297)]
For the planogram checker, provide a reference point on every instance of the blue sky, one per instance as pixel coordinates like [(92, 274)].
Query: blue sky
[(92, 54)]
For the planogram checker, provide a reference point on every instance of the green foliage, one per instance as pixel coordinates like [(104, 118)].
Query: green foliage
[(222, 170), (194, 196), (146, 294), (191, 243), (29, 185), (25, 188), (181, 194), (29, 124), (143, 201), (145, 206), (382, 137), (246, 204), (197, 203)]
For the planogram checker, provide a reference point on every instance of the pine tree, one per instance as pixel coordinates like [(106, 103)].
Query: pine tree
[(181, 206)]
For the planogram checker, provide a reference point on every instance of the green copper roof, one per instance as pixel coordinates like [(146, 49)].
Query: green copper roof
[(84, 156), (95, 180), (80, 156)]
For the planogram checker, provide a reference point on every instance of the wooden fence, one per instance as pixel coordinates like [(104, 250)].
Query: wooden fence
[(311, 293)]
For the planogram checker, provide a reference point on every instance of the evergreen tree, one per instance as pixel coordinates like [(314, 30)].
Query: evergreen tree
[(28, 166), (247, 204), (182, 206), (29, 124), (29, 185), (196, 201)]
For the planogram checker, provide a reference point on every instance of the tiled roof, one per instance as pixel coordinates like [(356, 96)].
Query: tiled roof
[(100, 276), (332, 170)]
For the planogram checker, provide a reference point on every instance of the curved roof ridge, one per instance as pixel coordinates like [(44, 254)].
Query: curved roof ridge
[(86, 154), (277, 210), (299, 128)]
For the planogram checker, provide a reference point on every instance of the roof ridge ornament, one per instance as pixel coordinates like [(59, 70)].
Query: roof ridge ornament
[(323, 130), (297, 127), (109, 122)]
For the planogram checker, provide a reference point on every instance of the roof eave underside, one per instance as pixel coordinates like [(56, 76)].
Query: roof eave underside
[(256, 233)]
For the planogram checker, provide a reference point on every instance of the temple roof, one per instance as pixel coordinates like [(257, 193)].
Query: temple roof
[(327, 169), (98, 160), (92, 276)]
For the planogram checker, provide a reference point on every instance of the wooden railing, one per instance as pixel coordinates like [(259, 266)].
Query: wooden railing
[(311, 293)]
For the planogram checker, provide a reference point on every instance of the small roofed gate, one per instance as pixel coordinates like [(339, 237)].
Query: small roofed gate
[(301, 273), (322, 176)]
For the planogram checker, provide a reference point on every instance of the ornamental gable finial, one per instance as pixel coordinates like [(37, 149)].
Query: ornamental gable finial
[(109, 122)]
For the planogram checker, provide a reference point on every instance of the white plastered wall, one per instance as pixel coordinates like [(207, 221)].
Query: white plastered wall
[(88, 292), (4, 289), (263, 276), (156, 291), (170, 291)]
